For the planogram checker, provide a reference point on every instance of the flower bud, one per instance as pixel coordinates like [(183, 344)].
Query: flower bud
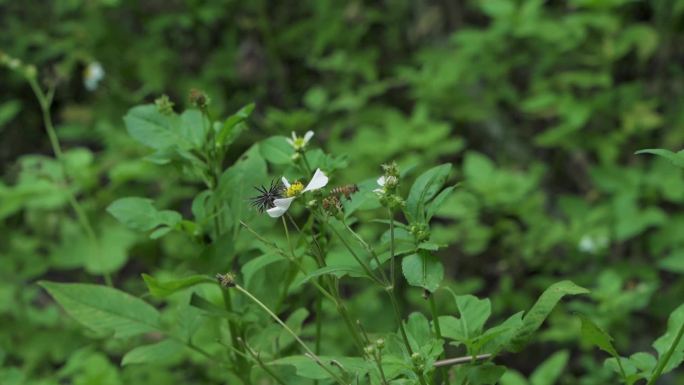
[(164, 105), (380, 343), (199, 99)]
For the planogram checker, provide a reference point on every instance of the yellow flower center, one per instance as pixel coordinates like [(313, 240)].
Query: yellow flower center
[(294, 189), (299, 143)]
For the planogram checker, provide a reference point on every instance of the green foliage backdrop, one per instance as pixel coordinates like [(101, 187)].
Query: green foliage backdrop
[(539, 105)]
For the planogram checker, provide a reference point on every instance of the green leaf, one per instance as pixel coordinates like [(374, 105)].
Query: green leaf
[(164, 352), (194, 127), (418, 330), (677, 158), (276, 150), (426, 187), (141, 215), (541, 309), (255, 265), (550, 370), (673, 262), (439, 200), (164, 289), (154, 129), (472, 315), (306, 367), (485, 374), (593, 334), (105, 310), (234, 126), (675, 323), (423, 270)]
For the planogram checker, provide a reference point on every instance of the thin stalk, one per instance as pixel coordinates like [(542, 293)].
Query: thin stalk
[(309, 352), (438, 332), (663, 362), (240, 362), (45, 102), (397, 313), (369, 250), (261, 364), (461, 360), (391, 250), (361, 263)]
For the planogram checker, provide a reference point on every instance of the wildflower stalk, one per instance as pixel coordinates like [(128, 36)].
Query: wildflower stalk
[(45, 102), (304, 346), (255, 356), (391, 250)]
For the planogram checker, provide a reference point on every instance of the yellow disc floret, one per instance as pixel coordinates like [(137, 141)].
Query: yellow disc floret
[(294, 189)]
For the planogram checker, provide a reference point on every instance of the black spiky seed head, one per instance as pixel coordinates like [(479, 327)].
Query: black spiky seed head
[(267, 195)]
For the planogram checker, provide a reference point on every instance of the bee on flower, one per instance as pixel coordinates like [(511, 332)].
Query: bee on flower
[(299, 143), (276, 199), (93, 75)]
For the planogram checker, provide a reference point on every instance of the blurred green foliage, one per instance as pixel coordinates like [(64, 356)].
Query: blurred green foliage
[(540, 106)]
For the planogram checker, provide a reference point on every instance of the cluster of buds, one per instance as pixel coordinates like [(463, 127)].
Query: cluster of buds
[(164, 105), (333, 206), (388, 190), (374, 348), (14, 64), (226, 280), (418, 361), (199, 99), (420, 232)]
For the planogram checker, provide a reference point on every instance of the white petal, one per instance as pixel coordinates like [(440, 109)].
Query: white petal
[(281, 207), (379, 191), (319, 180), (294, 136), (307, 137), (276, 212), (285, 182), (290, 141), (381, 181)]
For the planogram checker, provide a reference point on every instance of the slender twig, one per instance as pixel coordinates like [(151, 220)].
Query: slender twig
[(461, 360), (45, 102), (255, 356)]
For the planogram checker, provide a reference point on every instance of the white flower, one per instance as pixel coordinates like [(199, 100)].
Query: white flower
[(92, 75), (292, 191), (300, 142), (385, 182)]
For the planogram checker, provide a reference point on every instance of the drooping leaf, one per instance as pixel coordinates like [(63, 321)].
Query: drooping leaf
[(541, 309), (164, 289), (105, 310)]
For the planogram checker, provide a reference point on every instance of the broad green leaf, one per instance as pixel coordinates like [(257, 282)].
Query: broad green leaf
[(472, 315), (418, 330), (677, 158), (485, 374), (141, 215), (426, 187), (675, 324), (276, 150), (105, 310), (541, 309), (423, 270), (164, 289), (164, 352), (550, 370), (194, 127), (154, 129)]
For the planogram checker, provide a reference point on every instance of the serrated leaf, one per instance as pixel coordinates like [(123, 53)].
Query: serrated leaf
[(164, 289), (105, 310), (541, 309), (423, 270)]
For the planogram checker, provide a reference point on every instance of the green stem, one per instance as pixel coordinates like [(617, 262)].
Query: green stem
[(45, 102), (663, 362), (361, 263), (309, 352), (391, 250), (438, 333), (370, 251), (261, 364), (240, 361)]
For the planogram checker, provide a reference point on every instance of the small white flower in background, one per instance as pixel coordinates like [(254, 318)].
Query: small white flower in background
[(93, 75), (292, 191), (385, 182), (300, 142), (592, 243)]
